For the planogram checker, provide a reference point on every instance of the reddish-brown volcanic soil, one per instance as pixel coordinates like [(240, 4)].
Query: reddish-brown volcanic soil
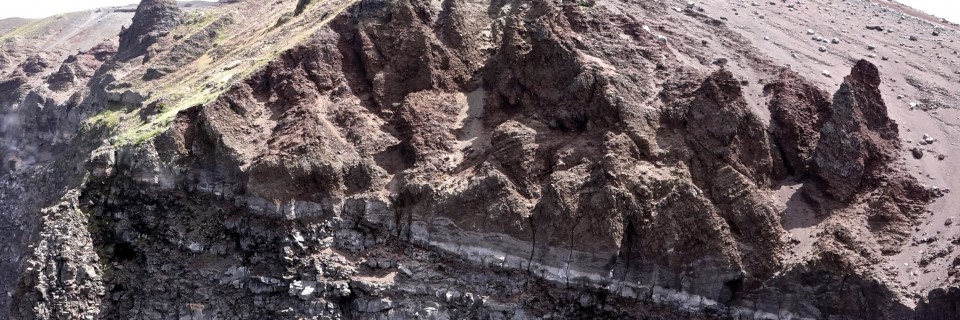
[(923, 73), (770, 159)]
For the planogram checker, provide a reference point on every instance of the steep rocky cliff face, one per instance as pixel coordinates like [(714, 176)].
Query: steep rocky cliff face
[(154, 19), (450, 160)]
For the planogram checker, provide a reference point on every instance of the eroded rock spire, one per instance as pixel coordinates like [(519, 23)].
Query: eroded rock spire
[(154, 19), (857, 138)]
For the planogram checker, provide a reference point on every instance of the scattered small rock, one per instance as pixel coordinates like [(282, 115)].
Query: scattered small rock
[(917, 153)]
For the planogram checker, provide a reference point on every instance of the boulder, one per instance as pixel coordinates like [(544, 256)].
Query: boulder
[(917, 153)]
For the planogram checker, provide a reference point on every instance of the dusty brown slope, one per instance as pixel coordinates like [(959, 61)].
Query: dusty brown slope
[(920, 81), (490, 159), (56, 37)]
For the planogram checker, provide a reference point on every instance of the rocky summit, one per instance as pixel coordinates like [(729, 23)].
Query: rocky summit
[(480, 159)]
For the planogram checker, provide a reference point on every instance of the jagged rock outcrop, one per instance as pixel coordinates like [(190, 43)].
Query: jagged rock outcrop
[(153, 20), (941, 304), (720, 126), (188, 49), (67, 268), (796, 108), (857, 141), (850, 155), (81, 67), (578, 219), (34, 65), (453, 159)]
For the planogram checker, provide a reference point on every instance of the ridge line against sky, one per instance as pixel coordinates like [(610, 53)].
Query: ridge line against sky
[(949, 9), (35, 9)]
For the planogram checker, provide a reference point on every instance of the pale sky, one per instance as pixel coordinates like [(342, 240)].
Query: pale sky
[(949, 9), (46, 8)]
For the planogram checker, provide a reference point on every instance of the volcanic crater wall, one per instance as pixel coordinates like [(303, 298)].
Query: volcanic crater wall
[(481, 159)]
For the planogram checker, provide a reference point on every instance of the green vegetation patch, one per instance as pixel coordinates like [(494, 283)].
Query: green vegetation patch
[(202, 81), (107, 118), (161, 123), (28, 29)]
